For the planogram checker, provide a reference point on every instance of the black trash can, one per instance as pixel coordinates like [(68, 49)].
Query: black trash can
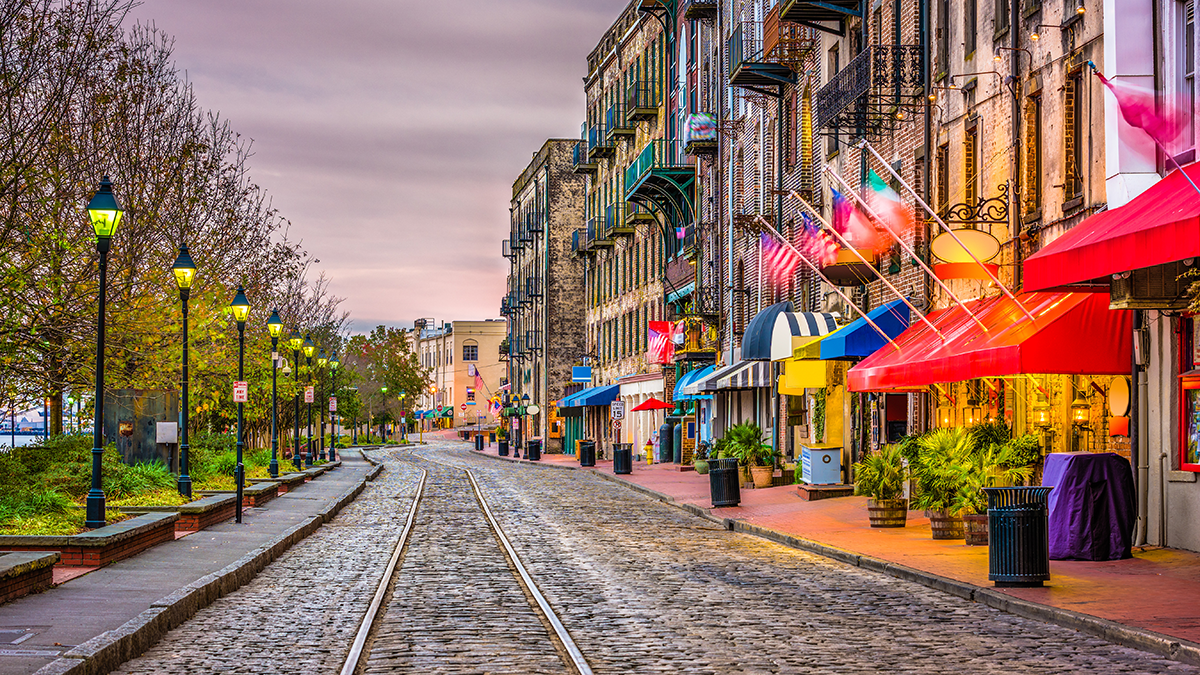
[(622, 458), (587, 453), (533, 451), (723, 482), (479, 442), (666, 443), (504, 448), (491, 438), (1018, 536)]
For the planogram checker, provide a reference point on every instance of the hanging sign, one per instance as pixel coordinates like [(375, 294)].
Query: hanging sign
[(308, 394), (241, 392), (332, 404)]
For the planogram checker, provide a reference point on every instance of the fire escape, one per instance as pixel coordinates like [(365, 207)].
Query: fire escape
[(873, 94)]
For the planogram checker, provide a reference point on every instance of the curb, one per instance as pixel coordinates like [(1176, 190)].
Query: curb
[(110, 649), (1116, 633)]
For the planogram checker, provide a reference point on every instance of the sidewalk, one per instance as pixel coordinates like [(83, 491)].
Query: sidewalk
[(1157, 591), (35, 631)]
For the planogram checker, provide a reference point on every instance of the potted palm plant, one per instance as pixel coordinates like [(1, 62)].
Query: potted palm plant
[(991, 466), (942, 461), (881, 476), (745, 442)]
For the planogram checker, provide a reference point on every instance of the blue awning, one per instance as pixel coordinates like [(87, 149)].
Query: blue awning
[(597, 396), (690, 379), (570, 400), (681, 293), (756, 343), (858, 339)]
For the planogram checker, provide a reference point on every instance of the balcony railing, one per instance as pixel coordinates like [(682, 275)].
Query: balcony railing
[(745, 44), (658, 154), (616, 122), (595, 233), (642, 100), (533, 340), (579, 241), (533, 287), (873, 84), (579, 158), (533, 221), (599, 144), (750, 64)]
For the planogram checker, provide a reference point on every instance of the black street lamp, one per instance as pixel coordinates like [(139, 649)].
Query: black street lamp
[(185, 274), (334, 363), (275, 327), (295, 341), (241, 310), (105, 214), (321, 361), (309, 348)]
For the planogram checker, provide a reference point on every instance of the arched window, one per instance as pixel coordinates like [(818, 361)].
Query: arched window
[(470, 351)]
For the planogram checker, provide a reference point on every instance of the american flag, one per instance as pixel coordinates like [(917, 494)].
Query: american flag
[(660, 348), (827, 248), (779, 261)]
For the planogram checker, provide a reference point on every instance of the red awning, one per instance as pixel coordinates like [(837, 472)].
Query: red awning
[(1159, 226), (1075, 334)]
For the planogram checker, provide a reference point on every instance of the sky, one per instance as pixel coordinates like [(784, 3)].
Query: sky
[(389, 132)]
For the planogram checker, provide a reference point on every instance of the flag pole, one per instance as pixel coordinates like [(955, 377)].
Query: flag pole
[(816, 270), (863, 144), (871, 212), (864, 261)]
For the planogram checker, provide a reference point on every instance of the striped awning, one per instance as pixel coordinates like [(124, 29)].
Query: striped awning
[(741, 375), (793, 329)]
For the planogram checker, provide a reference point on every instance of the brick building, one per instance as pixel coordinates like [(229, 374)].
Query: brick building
[(545, 300)]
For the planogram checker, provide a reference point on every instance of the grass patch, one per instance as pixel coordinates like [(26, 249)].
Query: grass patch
[(55, 524), (160, 497)]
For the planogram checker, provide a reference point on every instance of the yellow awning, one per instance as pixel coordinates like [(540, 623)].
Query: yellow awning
[(801, 374)]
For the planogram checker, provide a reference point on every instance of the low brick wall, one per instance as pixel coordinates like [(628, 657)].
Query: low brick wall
[(313, 472), (259, 494), (101, 546), (25, 573), (287, 481), (197, 515)]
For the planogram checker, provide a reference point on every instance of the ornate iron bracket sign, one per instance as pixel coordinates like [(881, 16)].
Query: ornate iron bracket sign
[(986, 211)]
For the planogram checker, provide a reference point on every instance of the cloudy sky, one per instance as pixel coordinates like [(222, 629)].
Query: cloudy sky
[(390, 131)]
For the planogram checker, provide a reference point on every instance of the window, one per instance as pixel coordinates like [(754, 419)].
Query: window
[(970, 12), (943, 38), (1073, 146), (831, 142), (1187, 98), (1033, 156), (1002, 16), (943, 178), (971, 165), (470, 352), (1189, 448), (470, 394)]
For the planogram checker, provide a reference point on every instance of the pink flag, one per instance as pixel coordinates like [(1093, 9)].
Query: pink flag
[(779, 261), (1139, 108)]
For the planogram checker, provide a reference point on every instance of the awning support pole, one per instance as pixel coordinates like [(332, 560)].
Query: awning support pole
[(816, 270), (863, 144), (864, 261), (871, 212)]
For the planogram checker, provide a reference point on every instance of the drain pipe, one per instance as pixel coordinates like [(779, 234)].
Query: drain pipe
[(1138, 454)]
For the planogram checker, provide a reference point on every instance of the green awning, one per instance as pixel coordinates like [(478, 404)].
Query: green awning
[(683, 292)]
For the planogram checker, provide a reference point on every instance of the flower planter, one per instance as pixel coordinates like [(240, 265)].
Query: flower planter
[(762, 475), (887, 512), (945, 526), (975, 527)]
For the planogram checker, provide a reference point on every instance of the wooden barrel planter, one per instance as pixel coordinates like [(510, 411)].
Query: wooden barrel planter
[(976, 529), (887, 512), (945, 526)]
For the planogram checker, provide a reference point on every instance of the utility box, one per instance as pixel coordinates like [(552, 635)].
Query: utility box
[(821, 465)]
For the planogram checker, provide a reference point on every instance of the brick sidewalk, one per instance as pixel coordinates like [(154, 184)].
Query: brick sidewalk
[(1157, 590)]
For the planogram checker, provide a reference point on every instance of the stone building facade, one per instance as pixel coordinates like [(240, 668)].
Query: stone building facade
[(545, 302), (452, 354)]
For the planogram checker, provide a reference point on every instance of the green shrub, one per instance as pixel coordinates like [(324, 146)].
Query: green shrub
[(1023, 451), (989, 433), (881, 475), (139, 478)]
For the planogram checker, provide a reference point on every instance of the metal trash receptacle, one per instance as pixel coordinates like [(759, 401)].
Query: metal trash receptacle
[(479, 442), (503, 449), (533, 451), (587, 453), (1018, 536), (622, 458), (723, 482)]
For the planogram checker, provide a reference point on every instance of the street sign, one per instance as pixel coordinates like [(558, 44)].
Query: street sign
[(308, 395), (241, 392), (332, 404), (618, 410), (616, 425), (463, 407), (167, 432)]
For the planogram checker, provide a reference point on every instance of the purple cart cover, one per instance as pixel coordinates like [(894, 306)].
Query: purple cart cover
[(1091, 506)]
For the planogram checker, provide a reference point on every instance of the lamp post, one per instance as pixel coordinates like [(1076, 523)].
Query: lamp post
[(295, 341), (241, 310), (383, 390), (403, 417), (185, 274), (309, 348), (333, 416), (524, 411), (321, 361), (275, 327), (105, 215)]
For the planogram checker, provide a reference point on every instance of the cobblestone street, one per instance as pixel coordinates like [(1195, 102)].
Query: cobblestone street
[(640, 585)]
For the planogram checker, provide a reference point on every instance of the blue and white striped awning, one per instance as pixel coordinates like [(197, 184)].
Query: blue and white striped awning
[(741, 375), (793, 328)]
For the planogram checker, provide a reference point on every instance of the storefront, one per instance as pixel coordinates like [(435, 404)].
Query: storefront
[(640, 426), (586, 416), (697, 405)]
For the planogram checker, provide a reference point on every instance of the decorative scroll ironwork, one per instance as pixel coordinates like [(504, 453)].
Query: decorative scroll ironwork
[(989, 211), (866, 95)]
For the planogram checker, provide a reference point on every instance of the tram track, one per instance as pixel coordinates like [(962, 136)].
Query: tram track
[(452, 517)]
